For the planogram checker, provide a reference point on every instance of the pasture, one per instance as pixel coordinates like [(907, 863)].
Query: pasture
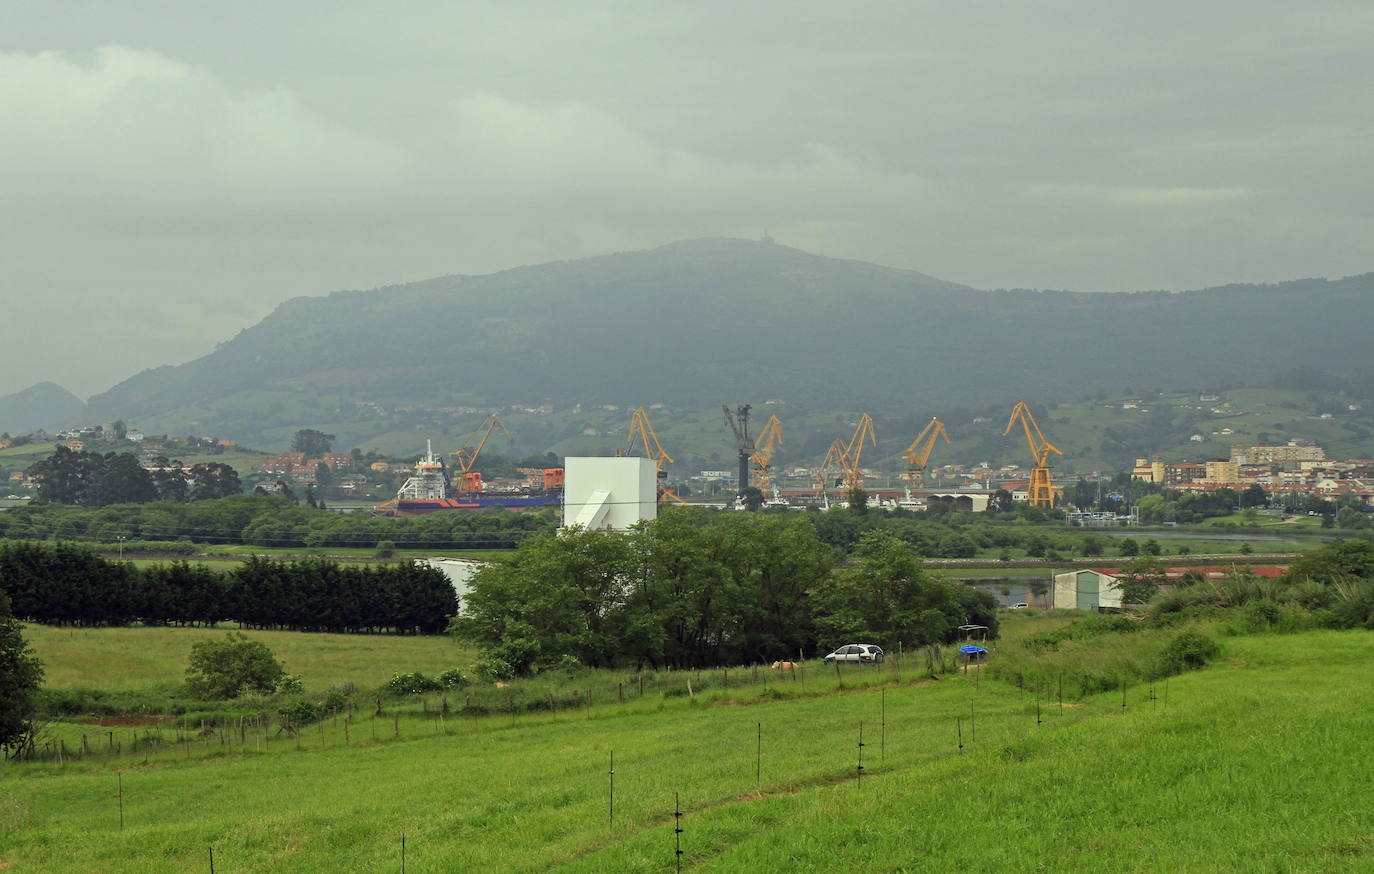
[(1254, 764), (119, 659)]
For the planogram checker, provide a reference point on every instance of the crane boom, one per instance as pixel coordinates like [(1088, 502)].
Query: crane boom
[(852, 458), (762, 456), (642, 429), (918, 453), (467, 456), (1040, 490)]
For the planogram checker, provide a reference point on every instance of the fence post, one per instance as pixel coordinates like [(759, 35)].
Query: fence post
[(959, 729), (758, 756), (611, 809), (120, 776), (860, 769), (677, 830)]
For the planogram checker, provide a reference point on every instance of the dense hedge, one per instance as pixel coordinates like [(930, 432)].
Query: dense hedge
[(63, 584)]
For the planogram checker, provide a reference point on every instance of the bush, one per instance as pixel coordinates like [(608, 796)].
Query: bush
[(414, 683), (225, 668), (1188, 650), (291, 684), (300, 713), (493, 668), (386, 548), (453, 679)]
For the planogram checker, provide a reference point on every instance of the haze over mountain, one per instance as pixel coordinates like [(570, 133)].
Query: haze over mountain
[(45, 405), (704, 320)]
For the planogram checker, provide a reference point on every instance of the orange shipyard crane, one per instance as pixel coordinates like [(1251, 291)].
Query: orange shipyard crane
[(918, 453), (824, 472), (762, 457), (643, 431), (851, 460), (1040, 491), (467, 456)]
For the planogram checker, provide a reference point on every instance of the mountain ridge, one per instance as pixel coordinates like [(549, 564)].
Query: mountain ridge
[(699, 320)]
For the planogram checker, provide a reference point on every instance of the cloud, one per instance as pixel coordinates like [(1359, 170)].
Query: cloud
[(1144, 196)]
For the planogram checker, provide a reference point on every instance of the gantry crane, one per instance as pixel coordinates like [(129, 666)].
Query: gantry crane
[(1040, 491), (918, 453), (643, 431), (851, 460), (762, 457), (744, 444), (825, 471), (468, 455)]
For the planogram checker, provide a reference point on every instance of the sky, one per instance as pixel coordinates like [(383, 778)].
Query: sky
[(172, 171)]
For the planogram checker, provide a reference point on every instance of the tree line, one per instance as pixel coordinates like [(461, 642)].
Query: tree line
[(63, 584), (270, 521), (94, 479), (694, 589)]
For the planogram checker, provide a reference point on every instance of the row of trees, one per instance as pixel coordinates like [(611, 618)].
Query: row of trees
[(62, 584), (692, 589), (93, 479), (272, 521)]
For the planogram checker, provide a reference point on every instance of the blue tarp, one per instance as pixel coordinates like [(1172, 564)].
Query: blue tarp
[(972, 651)]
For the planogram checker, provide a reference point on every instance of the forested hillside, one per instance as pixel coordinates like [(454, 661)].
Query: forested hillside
[(705, 320)]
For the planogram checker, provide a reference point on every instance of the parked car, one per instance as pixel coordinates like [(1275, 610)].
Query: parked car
[(1019, 606), (856, 652)]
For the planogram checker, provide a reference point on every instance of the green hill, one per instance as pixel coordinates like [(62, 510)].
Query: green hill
[(694, 323), (1251, 765), (45, 405)]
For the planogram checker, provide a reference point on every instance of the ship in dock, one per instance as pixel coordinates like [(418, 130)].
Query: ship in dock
[(430, 488)]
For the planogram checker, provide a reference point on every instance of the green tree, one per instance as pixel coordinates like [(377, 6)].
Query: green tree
[(557, 596), (858, 500), (1350, 518), (1129, 547), (1140, 579), (226, 668), (1254, 496), (889, 598), (20, 677), (752, 497), (313, 443), (214, 480), (1150, 547)]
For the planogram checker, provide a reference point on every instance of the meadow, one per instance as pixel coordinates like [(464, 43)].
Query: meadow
[(1253, 764), (138, 658)]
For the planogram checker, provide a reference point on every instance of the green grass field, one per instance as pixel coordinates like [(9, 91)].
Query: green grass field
[(136, 658), (1256, 764)]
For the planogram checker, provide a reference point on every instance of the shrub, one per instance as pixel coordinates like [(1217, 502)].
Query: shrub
[(225, 668), (414, 683), (386, 548), (453, 679), (1187, 650), (493, 668), (291, 684), (300, 713)]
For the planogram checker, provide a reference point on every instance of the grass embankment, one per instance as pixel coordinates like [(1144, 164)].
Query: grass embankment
[(1253, 764)]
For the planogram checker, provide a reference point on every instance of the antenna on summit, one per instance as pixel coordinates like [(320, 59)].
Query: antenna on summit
[(766, 238)]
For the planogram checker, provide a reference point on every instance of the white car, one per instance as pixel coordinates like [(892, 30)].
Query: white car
[(866, 653)]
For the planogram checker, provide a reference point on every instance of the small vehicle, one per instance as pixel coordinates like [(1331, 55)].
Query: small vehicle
[(865, 653), (1019, 606)]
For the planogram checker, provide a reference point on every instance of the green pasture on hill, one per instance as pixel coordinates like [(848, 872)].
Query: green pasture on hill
[(1257, 763), (137, 658)]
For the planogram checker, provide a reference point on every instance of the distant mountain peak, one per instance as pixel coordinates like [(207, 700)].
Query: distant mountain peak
[(41, 405)]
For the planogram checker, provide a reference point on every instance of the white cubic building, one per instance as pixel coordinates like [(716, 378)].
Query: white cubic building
[(612, 493)]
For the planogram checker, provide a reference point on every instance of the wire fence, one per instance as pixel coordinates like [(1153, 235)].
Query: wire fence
[(437, 716)]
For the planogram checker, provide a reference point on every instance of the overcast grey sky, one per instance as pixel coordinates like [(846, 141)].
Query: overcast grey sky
[(172, 171)]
